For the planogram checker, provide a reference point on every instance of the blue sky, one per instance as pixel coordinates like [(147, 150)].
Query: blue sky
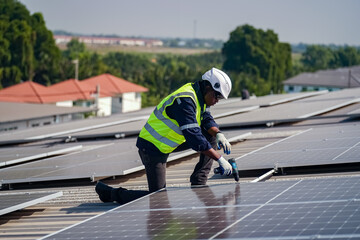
[(306, 21)]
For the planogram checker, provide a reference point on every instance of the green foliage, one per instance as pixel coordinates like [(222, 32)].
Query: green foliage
[(259, 54), (28, 50), (254, 59), (318, 57)]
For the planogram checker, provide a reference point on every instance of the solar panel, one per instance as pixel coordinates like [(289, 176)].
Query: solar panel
[(75, 126), (96, 160), (11, 155), (15, 201), (318, 146), (305, 209), (294, 111), (117, 122), (237, 105)]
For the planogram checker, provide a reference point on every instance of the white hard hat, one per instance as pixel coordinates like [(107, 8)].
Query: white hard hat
[(219, 80)]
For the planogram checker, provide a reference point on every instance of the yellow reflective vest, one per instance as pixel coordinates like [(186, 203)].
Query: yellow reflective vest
[(163, 131)]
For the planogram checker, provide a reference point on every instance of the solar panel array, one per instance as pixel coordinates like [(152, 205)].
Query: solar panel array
[(15, 201), (294, 111), (72, 127), (320, 208), (114, 123), (335, 144), (96, 160), (103, 158)]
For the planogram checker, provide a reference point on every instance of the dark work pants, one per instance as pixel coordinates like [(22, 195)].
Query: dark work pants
[(203, 167), (155, 167)]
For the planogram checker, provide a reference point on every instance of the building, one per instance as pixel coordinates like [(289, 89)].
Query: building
[(116, 95), (331, 79), (62, 39), (18, 116), (107, 93)]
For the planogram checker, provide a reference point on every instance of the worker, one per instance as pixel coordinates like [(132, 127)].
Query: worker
[(182, 120)]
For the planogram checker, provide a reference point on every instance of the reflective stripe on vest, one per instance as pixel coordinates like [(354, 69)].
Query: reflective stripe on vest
[(164, 132)]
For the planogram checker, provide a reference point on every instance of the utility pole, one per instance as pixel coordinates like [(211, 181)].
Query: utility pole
[(76, 62), (97, 99), (195, 28)]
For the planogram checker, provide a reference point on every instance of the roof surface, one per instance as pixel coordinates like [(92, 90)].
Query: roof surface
[(23, 111), (69, 90), (29, 92), (80, 202), (114, 85), (328, 78)]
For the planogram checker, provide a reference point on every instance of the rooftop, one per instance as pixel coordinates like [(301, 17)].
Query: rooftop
[(300, 148)]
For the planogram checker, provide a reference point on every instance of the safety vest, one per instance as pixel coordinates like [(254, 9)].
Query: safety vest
[(163, 131)]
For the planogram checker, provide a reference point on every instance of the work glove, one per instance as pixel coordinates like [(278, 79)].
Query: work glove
[(221, 141), (225, 166)]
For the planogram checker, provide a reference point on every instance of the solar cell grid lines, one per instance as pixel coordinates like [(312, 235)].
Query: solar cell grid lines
[(318, 208)]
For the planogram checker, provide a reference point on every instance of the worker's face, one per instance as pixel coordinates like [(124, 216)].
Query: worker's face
[(212, 97)]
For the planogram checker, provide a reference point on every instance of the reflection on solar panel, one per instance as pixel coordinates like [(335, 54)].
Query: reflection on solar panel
[(318, 146), (102, 160), (305, 209), (15, 201)]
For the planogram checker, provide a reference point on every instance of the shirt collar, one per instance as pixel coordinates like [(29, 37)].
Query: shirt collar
[(200, 96)]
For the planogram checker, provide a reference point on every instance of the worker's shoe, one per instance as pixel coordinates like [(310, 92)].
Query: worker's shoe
[(104, 192), (117, 194)]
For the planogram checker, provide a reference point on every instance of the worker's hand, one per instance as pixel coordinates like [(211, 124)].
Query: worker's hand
[(225, 166), (222, 141)]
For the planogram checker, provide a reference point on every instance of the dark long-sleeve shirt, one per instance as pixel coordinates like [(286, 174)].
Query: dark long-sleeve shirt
[(184, 112)]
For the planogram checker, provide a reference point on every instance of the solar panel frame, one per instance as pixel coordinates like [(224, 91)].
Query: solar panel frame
[(10, 156), (10, 202)]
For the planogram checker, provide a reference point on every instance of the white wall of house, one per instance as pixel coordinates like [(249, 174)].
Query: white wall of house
[(64, 104), (131, 102), (104, 106)]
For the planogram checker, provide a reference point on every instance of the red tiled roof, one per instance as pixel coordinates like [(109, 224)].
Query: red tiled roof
[(114, 85), (28, 92), (76, 90), (69, 90)]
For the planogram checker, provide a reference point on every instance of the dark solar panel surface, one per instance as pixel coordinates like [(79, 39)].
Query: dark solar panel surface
[(100, 159), (15, 201), (306, 209), (317, 146)]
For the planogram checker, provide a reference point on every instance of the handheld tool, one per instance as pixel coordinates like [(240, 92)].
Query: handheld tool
[(235, 170)]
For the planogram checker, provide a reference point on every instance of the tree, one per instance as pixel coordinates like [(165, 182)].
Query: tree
[(317, 57), (259, 53), (347, 56), (28, 50)]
